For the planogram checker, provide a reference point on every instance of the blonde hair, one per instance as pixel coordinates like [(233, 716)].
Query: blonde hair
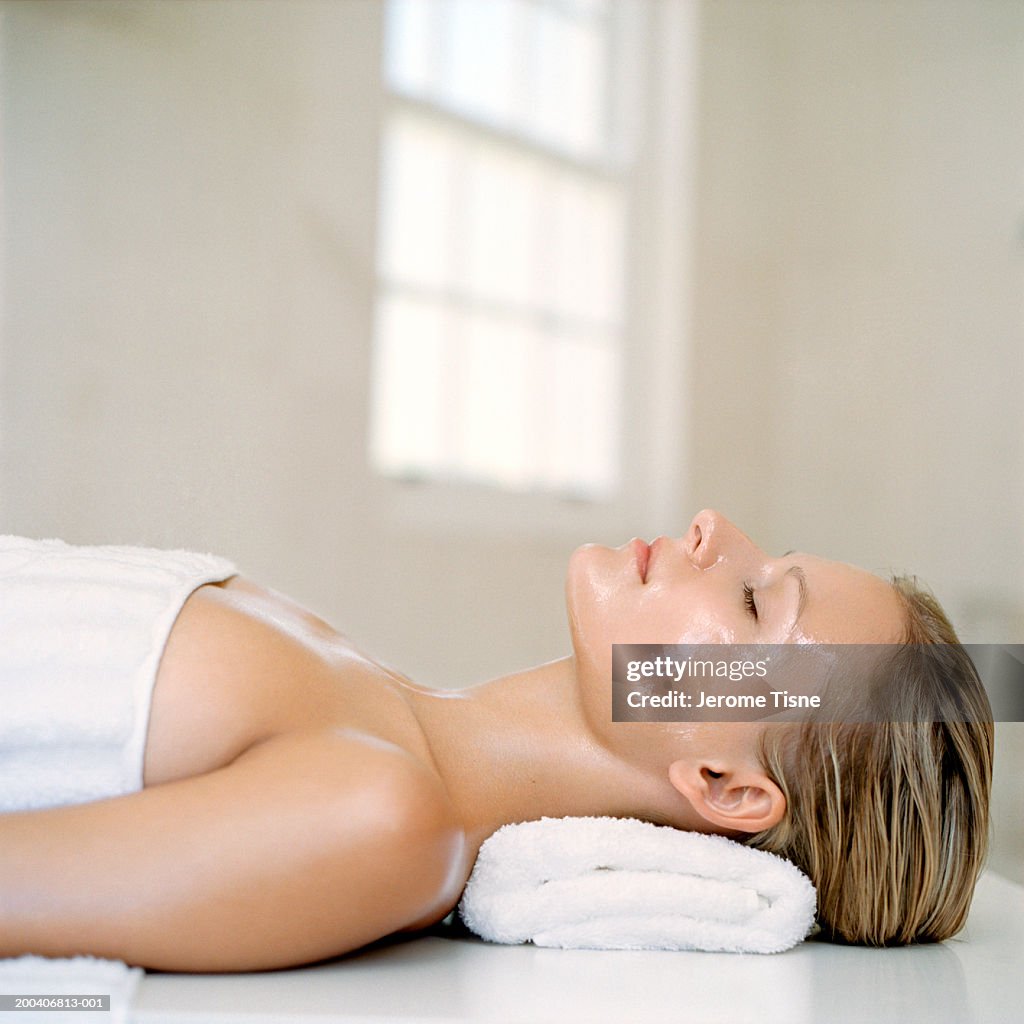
[(889, 818)]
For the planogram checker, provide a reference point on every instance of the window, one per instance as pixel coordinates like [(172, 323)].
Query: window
[(504, 220)]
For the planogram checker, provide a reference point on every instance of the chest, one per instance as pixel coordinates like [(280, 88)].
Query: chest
[(243, 664)]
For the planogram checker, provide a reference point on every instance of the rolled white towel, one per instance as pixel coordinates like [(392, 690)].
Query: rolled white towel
[(616, 883)]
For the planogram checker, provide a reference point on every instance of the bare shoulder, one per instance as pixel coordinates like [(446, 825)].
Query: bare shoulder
[(386, 820)]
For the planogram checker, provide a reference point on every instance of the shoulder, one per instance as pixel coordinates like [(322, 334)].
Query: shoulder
[(407, 814), (380, 775), (384, 818)]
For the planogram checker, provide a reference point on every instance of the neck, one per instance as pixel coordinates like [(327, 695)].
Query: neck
[(519, 748)]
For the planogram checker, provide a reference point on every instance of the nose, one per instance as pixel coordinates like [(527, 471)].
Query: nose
[(710, 537)]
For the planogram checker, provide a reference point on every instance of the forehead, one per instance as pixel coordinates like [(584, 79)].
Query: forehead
[(847, 604)]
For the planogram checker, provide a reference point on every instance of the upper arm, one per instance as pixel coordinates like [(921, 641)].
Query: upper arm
[(305, 847)]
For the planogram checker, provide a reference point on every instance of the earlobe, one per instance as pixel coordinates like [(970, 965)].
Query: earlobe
[(742, 799)]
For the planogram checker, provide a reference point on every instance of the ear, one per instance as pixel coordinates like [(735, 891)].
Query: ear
[(734, 797)]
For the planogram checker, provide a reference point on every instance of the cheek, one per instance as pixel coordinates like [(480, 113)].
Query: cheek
[(604, 611), (678, 615), (709, 625)]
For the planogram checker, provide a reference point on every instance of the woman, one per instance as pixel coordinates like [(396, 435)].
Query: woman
[(300, 800)]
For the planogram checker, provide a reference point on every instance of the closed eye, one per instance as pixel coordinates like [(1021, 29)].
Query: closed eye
[(748, 599)]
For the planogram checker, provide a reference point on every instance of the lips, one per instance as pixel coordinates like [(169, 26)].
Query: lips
[(643, 557)]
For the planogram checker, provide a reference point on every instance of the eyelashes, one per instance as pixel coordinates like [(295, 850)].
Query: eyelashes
[(748, 599)]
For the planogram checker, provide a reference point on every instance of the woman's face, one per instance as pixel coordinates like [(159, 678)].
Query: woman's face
[(715, 585)]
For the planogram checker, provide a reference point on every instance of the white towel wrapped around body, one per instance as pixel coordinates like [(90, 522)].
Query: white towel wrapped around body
[(615, 883), (82, 631)]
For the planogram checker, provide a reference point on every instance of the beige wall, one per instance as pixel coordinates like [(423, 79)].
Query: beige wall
[(859, 291), (189, 195)]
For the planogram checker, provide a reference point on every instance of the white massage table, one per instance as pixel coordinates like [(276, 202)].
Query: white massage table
[(449, 976)]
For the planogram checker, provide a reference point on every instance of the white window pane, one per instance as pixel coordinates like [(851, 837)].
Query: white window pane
[(411, 387), (418, 192), (567, 100), (481, 50), (502, 204), (496, 379), (583, 416), (410, 45), (586, 250), (547, 110), (584, 129)]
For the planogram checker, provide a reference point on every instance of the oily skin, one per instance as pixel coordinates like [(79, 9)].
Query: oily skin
[(301, 800), (691, 591)]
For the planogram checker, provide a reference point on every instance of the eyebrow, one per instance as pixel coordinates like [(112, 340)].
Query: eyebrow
[(801, 579)]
